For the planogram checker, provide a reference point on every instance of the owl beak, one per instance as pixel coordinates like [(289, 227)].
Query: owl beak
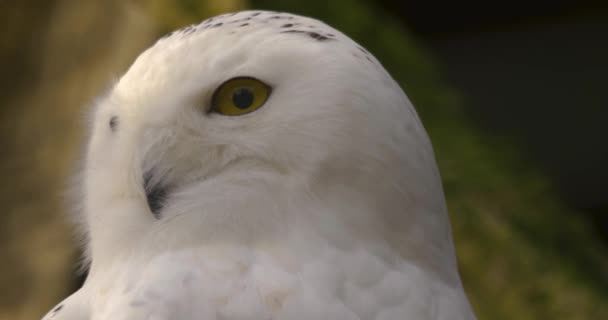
[(156, 195)]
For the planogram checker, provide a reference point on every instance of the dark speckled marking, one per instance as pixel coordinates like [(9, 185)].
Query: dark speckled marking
[(168, 35), (189, 29), (317, 36), (311, 34), (56, 310), (283, 22), (113, 123), (240, 20)]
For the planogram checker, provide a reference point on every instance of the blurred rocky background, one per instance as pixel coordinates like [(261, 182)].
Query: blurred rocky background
[(512, 94)]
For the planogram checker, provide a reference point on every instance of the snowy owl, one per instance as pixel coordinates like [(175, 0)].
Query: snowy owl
[(262, 165)]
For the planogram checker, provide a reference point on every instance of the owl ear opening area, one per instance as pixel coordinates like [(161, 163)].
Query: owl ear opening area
[(240, 95)]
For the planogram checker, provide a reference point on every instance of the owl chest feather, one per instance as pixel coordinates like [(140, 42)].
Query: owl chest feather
[(232, 282)]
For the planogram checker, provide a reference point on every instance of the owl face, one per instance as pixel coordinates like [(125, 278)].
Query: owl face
[(237, 110)]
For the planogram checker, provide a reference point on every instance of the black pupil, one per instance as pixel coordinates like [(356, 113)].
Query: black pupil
[(242, 98)]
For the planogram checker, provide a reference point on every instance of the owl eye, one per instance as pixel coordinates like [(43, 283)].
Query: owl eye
[(239, 96)]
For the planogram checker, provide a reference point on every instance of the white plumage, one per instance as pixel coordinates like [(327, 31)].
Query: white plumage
[(324, 203)]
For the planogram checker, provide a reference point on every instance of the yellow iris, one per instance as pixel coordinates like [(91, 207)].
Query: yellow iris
[(239, 96)]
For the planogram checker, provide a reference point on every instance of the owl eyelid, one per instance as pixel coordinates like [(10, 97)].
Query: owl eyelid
[(239, 78)]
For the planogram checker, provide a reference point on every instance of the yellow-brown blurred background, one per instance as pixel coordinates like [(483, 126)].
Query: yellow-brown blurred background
[(513, 97)]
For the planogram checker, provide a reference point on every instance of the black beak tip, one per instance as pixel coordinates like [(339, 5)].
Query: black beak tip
[(156, 196)]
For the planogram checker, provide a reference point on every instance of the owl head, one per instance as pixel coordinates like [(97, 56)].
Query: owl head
[(254, 125)]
